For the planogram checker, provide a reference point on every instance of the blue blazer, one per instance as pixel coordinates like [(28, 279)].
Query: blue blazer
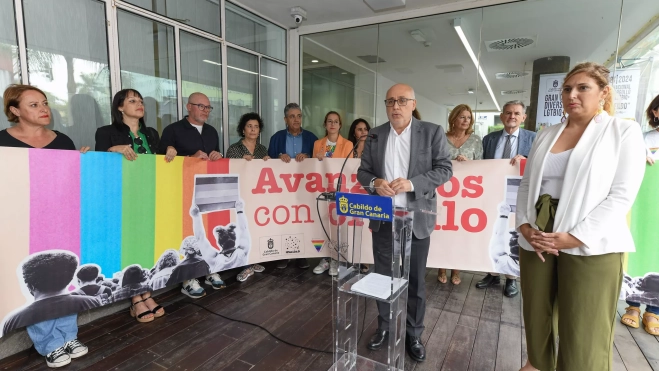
[(525, 140), (278, 143)]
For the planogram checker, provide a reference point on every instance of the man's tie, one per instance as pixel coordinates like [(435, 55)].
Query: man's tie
[(507, 148)]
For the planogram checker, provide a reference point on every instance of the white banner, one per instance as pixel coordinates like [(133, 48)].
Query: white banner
[(626, 83), (550, 107)]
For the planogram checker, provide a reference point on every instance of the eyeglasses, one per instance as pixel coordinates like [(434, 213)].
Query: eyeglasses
[(202, 107), (401, 101), (140, 143)]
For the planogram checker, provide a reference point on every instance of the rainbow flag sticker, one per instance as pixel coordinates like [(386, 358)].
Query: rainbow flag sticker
[(318, 244), (653, 150)]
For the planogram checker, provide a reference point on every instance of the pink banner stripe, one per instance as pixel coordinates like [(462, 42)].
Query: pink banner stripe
[(54, 200)]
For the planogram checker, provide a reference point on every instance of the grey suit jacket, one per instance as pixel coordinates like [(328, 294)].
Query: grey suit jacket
[(490, 141), (430, 167)]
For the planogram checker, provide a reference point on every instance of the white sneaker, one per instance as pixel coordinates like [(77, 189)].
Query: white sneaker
[(75, 349), (322, 266), (58, 358), (334, 268), (192, 289)]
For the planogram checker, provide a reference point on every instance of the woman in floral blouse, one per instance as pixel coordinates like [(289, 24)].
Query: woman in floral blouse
[(463, 145), (248, 148)]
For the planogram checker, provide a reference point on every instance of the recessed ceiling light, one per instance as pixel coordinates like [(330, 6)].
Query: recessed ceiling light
[(314, 61), (344, 73)]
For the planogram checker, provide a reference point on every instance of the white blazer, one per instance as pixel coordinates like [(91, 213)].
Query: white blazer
[(602, 178)]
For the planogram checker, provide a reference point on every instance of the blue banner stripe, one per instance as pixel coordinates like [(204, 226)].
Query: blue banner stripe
[(100, 211)]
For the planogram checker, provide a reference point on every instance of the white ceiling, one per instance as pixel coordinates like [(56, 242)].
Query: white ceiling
[(325, 11), (587, 32), (581, 29)]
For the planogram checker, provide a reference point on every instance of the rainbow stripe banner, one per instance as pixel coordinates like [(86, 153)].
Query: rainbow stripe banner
[(134, 227)]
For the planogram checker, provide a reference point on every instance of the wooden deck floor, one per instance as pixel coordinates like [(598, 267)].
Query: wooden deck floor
[(466, 329)]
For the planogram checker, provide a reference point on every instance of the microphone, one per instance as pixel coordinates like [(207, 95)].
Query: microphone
[(338, 182)]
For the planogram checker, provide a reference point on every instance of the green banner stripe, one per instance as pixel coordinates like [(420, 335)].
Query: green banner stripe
[(644, 226), (138, 211)]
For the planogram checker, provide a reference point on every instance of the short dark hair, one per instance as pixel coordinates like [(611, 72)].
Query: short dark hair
[(291, 106), (87, 272), (133, 275), (50, 271), (353, 128), (118, 101), (226, 236), (246, 118), (654, 105)]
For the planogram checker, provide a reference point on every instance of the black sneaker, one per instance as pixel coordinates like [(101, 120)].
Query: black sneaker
[(75, 349), (58, 358)]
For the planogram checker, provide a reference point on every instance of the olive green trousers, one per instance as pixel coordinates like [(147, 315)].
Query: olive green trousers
[(573, 297)]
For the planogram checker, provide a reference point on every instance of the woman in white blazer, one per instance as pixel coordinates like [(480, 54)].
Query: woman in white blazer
[(580, 181)]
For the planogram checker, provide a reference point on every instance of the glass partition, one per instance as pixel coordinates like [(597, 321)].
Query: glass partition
[(339, 73), (255, 33), (146, 55), (273, 98), (437, 56), (68, 60), (201, 71), (637, 65), (10, 68), (527, 59), (243, 81), (202, 14)]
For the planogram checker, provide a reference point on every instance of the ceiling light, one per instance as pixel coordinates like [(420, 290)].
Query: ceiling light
[(344, 73), (241, 70), (268, 77), (418, 36), (470, 91), (379, 5), (458, 29), (211, 62), (314, 61)]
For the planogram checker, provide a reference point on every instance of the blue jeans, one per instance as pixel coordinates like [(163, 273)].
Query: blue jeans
[(53, 333), (648, 308)]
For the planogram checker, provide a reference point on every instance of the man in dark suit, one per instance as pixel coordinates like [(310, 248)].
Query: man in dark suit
[(408, 160), (514, 143)]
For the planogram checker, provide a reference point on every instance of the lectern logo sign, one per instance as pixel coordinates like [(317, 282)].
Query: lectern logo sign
[(343, 204), (365, 206)]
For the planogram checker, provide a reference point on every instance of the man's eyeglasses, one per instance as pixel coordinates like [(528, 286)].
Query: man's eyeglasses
[(140, 144), (401, 101), (202, 107)]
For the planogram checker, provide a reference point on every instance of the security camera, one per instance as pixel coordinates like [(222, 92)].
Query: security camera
[(299, 15)]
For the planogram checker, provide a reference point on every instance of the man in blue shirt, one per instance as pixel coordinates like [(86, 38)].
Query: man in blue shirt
[(292, 142)]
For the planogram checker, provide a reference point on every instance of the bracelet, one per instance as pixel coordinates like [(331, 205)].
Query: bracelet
[(503, 216)]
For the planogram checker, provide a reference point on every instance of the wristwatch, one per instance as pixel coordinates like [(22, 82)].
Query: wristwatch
[(372, 184)]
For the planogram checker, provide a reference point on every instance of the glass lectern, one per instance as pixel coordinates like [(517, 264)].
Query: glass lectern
[(345, 242)]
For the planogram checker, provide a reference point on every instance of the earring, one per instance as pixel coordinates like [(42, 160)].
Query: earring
[(564, 117), (656, 119), (601, 109)]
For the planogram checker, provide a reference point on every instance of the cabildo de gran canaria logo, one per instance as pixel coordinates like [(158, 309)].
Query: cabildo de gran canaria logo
[(343, 204), (364, 206)]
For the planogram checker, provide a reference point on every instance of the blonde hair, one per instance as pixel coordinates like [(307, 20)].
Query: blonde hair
[(454, 116), (600, 74)]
